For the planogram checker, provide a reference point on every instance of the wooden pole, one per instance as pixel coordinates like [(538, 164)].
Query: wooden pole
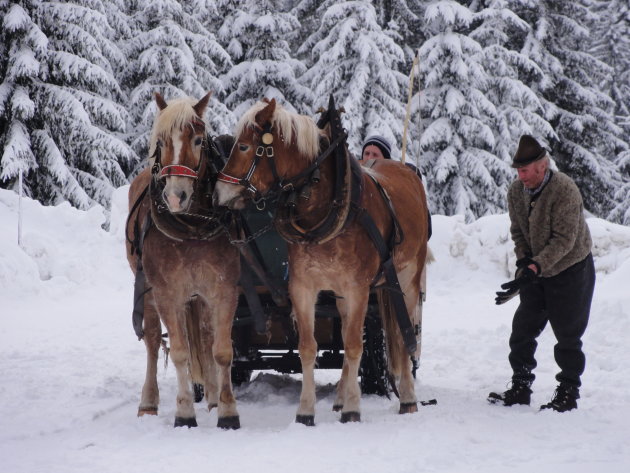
[(20, 210), (408, 111)]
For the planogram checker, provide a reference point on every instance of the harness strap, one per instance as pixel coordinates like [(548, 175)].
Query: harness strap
[(316, 163), (139, 287), (388, 270), (136, 204)]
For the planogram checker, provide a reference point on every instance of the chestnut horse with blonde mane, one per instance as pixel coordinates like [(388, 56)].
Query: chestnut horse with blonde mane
[(276, 152), (191, 268)]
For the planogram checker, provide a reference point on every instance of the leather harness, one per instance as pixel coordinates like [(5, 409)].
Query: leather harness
[(344, 209)]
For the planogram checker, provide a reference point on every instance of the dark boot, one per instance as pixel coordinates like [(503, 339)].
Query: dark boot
[(519, 393), (564, 399)]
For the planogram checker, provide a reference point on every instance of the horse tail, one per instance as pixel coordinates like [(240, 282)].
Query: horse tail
[(430, 256), (393, 339), (193, 326), (396, 350)]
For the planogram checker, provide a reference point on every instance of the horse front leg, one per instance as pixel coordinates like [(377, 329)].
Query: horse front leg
[(150, 397), (208, 366), (304, 309), (222, 352), (342, 308), (179, 354), (353, 349)]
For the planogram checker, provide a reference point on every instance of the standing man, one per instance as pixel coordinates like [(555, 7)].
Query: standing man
[(555, 276)]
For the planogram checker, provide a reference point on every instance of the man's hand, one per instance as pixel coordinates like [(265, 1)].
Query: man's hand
[(524, 275)]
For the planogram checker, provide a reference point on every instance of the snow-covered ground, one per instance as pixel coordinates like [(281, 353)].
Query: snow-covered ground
[(71, 369)]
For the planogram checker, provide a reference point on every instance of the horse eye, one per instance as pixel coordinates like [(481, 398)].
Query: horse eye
[(198, 141), (243, 147)]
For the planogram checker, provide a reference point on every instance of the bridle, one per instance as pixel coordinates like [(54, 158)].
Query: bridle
[(265, 149), (162, 172)]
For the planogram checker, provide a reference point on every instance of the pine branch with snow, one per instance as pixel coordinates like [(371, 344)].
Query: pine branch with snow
[(255, 33), (356, 61)]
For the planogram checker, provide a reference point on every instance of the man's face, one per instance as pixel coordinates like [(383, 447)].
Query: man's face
[(532, 174), (372, 152)]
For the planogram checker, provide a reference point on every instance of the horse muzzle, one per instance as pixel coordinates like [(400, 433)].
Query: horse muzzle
[(178, 194), (228, 195)]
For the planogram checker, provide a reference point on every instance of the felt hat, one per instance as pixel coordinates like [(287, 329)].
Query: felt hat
[(529, 150), (381, 143)]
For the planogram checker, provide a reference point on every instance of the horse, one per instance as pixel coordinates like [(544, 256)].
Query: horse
[(323, 216), (177, 242)]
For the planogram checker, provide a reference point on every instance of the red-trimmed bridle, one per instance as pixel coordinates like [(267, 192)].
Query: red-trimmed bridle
[(179, 169)]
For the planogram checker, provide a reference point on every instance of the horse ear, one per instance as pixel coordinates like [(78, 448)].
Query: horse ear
[(200, 108), (161, 103), (264, 116)]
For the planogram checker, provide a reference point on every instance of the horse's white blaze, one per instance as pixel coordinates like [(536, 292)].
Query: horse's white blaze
[(177, 149), (178, 189)]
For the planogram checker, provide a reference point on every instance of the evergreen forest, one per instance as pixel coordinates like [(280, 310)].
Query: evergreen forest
[(77, 81)]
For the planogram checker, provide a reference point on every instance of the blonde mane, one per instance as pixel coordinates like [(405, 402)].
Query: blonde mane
[(174, 117), (288, 125)]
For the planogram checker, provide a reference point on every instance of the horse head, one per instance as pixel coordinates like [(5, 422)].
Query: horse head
[(272, 144), (176, 147)]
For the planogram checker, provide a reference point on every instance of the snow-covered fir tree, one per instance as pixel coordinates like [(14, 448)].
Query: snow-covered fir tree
[(356, 61), (621, 212), (610, 42), (64, 103), (23, 52), (519, 111), (172, 52), (462, 173), (402, 20), (588, 140), (255, 32)]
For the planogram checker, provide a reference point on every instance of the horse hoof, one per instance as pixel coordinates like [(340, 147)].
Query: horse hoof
[(306, 420), (229, 422), (337, 407), (408, 407), (350, 417), (185, 422), (149, 411)]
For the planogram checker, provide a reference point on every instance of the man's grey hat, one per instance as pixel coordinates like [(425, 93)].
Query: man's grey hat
[(381, 143), (529, 150)]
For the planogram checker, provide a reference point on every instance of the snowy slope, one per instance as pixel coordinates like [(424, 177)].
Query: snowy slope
[(72, 369)]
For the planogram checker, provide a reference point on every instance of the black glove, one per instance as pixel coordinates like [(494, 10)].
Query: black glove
[(523, 277)]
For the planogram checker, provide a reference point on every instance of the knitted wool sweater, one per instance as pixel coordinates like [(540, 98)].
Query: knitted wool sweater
[(555, 233)]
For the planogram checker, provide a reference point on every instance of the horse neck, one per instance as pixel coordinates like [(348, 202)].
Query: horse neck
[(314, 209)]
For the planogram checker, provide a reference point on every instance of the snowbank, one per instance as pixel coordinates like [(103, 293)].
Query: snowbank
[(72, 368)]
